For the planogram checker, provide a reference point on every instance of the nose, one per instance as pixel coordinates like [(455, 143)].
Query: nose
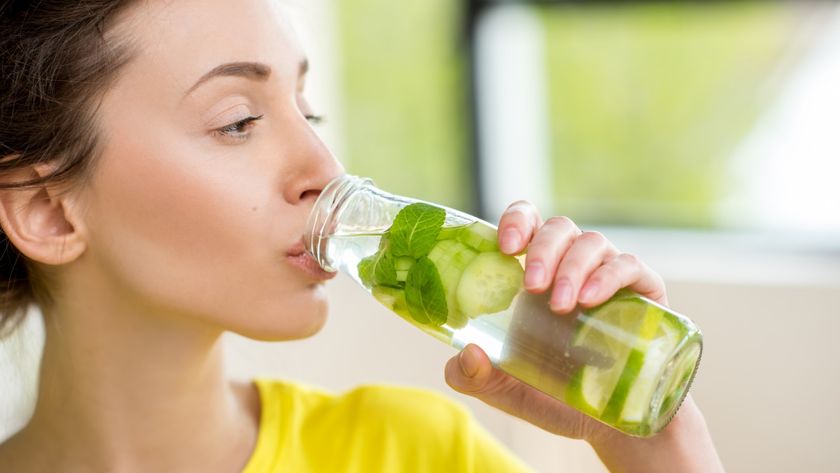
[(310, 168)]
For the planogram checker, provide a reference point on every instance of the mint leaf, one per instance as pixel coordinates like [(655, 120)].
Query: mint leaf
[(415, 230), (424, 293), (378, 270)]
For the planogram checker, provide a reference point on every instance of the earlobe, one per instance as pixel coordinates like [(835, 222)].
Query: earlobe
[(40, 223)]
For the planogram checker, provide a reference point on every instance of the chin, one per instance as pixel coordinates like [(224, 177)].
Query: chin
[(293, 322)]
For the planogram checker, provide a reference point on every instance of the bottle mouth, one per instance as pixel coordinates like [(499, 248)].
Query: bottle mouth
[(675, 382), (325, 214)]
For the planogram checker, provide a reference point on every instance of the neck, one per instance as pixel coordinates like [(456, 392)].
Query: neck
[(118, 390)]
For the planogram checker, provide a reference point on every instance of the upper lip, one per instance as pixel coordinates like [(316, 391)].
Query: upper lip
[(297, 249)]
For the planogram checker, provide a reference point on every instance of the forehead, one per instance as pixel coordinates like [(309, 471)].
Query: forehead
[(182, 40)]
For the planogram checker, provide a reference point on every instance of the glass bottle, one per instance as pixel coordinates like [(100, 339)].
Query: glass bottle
[(627, 363)]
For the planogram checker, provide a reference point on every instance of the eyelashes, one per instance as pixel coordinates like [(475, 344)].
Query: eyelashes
[(240, 130)]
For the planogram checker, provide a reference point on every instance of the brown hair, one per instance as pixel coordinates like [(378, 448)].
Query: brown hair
[(55, 62)]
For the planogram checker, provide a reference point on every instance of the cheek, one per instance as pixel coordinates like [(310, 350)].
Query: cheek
[(199, 236)]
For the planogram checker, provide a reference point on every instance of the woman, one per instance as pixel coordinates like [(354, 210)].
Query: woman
[(157, 170)]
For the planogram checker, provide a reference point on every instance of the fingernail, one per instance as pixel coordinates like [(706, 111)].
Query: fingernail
[(561, 295), (590, 290), (511, 240), (469, 365), (534, 275)]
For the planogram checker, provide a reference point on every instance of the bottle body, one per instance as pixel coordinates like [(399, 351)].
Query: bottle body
[(628, 363)]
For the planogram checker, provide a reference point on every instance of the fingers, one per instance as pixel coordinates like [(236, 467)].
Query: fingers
[(471, 373), (517, 226), (623, 270), (548, 247), (586, 254), (578, 267)]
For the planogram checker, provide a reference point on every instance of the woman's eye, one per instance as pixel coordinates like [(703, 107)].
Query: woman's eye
[(315, 119), (238, 129)]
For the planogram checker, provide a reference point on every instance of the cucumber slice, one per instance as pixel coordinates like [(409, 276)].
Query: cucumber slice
[(480, 237), (451, 258), (449, 233), (392, 298), (403, 263), (489, 284)]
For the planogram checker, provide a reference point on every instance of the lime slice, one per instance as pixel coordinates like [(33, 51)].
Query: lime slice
[(648, 329), (603, 332), (640, 390)]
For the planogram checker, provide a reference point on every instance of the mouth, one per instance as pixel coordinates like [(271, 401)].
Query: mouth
[(298, 249), (298, 257)]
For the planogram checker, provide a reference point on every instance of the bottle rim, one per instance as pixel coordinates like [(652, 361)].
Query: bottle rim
[(325, 213)]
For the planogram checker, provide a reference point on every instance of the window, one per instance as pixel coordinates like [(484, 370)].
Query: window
[(699, 115)]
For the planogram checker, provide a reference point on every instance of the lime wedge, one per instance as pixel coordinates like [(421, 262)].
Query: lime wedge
[(648, 329), (604, 331), (640, 390)]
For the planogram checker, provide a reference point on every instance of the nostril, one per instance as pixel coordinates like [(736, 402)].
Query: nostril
[(310, 194)]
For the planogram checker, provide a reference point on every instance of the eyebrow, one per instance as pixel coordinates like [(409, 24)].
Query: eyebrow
[(249, 70)]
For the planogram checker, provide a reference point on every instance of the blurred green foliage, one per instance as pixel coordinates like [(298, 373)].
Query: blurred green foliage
[(406, 123), (647, 101)]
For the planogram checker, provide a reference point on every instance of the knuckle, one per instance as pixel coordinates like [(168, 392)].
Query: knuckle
[(594, 237), (608, 272), (630, 259), (520, 205), (560, 222), (535, 255), (517, 212)]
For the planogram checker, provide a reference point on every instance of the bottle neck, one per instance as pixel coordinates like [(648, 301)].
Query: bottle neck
[(352, 206), (324, 219)]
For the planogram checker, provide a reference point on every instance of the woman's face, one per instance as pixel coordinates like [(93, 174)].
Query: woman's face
[(209, 169)]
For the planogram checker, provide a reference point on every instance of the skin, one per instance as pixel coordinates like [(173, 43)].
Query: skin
[(181, 233)]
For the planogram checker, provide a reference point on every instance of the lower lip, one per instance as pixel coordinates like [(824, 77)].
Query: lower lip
[(306, 263)]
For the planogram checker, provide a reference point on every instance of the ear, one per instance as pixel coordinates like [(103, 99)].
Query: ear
[(41, 221)]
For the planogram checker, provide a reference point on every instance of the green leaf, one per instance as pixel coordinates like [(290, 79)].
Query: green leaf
[(378, 270), (424, 293), (415, 230)]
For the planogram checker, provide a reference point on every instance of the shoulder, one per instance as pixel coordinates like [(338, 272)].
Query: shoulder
[(415, 406), (371, 405), (413, 425)]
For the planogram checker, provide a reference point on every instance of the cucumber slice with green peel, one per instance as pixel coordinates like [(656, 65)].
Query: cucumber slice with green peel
[(450, 276), (451, 258), (403, 263), (444, 251), (480, 237), (449, 233), (392, 298), (489, 284)]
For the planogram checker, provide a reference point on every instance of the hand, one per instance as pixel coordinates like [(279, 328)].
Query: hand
[(579, 268)]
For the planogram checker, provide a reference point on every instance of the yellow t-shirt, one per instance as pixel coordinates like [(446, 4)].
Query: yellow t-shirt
[(370, 429)]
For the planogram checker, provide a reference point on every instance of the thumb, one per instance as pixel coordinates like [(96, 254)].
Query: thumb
[(472, 373)]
